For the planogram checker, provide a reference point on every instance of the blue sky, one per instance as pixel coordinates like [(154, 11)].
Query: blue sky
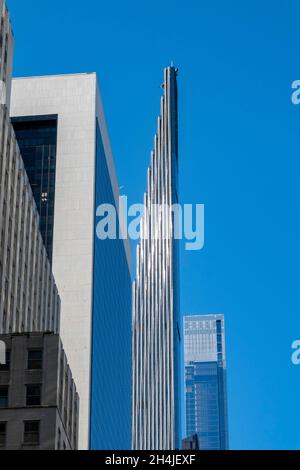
[(239, 155)]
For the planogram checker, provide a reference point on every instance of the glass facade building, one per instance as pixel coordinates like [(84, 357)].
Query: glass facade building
[(61, 127), (205, 380), (110, 421), (36, 136), (156, 311)]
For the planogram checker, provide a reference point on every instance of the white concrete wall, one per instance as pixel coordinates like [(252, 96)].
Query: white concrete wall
[(72, 97)]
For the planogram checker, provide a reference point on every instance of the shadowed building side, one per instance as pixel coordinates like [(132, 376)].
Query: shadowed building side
[(156, 319)]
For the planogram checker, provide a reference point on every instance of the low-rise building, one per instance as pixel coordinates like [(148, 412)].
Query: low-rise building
[(39, 403)]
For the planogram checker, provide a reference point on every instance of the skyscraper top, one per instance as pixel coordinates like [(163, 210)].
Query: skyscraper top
[(202, 334)]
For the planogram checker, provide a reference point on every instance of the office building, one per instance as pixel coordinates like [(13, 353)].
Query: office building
[(205, 380), (156, 314), (37, 142), (62, 118), (29, 298), (38, 399)]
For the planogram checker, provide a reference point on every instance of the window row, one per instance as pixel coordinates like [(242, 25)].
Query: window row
[(33, 395)]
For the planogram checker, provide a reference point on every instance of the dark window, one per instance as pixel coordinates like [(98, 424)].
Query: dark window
[(2, 434), (3, 397), (33, 395), (7, 362), (31, 433), (35, 359)]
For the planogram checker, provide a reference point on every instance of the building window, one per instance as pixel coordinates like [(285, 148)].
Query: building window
[(6, 366), (2, 434), (31, 433), (35, 359), (3, 397), (33, 395)]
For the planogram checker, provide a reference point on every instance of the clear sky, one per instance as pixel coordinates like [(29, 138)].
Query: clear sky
[(239, 155)]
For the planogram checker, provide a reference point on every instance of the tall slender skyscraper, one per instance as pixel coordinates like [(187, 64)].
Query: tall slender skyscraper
[(61, 128), (156, 311), (205, 380)]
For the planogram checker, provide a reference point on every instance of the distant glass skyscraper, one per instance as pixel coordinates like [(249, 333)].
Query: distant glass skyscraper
[(62, 133), (38, 399), (156, 313), (205, 380)]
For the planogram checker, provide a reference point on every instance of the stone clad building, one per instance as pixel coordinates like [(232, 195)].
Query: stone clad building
[(38, 399), (39, 404)]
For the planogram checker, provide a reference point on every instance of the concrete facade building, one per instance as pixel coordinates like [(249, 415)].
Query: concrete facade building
[(156, 322), (205, 380), (38, 400), (37, 138), (96, 320)]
